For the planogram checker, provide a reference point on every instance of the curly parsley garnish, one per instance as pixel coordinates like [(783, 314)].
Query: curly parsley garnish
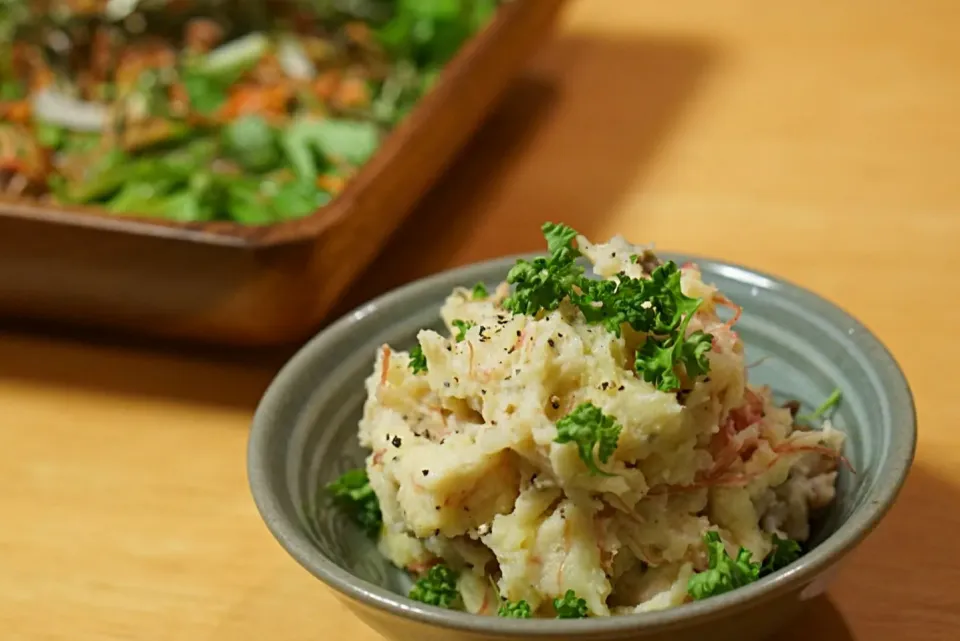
[(590, 429), (418, 362), (785, 552), (352, 492), (515, 610), (462, 327), (438, 587), (725, 573), (479, 292), (570, 606), (655, 306)]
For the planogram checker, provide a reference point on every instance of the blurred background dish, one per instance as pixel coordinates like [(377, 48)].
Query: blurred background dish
[(167, 166), (251, 111)]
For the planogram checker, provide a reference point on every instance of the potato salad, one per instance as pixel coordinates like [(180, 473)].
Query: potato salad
[(585, 445)]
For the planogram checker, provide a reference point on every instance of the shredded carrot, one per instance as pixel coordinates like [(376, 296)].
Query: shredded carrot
[(18, 112), (269, 100), (325, 86), (786, 448), (333, 184), (385, 350), (722, 300)]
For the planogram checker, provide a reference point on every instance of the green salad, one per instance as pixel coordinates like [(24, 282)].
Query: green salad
[(251, 111)]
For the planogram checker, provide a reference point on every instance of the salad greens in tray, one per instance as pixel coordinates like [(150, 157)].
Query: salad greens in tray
[(251, 111)]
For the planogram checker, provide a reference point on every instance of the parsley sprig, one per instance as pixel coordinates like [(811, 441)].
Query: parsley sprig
[(462, 327), (479, 292), (515, 610), (785, 552), (438, 587), (352, 492), (725, 573), (418, 362), (655, 306), (570, 606), (590, 429)]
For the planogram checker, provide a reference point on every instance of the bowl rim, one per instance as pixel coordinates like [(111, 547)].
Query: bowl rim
[(851, 532)]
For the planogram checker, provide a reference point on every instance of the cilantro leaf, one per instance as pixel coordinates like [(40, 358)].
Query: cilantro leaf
[(570, 606), (724, 573), (785, 552), (462, 327), (832, 401), (352, 492), (517, 610), (588, 427), (438, 587), (418, 362), (479, 291)]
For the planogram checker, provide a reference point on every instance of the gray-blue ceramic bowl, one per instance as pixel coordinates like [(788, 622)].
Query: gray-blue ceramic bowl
[(304, 435)]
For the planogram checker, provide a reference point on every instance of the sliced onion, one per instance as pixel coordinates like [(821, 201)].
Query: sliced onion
[(76, 115), (294, 61), (237, 55)]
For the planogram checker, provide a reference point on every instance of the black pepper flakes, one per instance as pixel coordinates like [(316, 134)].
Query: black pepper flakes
[(551, 343), (388, 438), (604, 385), (706, 380), (555, 405), (559, 335), (396, 442), (518, 332), (483, 391), (449, 348), (620, 389), (437, 508), (446, 383), (425, 472), (436, 532)]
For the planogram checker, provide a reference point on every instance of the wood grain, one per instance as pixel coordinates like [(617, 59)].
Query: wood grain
[(817, 141)]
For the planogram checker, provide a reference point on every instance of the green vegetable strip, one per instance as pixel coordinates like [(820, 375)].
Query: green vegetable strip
[(832, 401)]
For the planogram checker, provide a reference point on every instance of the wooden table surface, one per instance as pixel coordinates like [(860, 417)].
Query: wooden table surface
[(818, 140)]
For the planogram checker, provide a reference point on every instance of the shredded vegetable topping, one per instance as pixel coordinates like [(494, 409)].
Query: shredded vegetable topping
[(251, 111)]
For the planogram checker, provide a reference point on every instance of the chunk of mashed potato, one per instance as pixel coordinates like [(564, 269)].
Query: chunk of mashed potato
[(468, 472)]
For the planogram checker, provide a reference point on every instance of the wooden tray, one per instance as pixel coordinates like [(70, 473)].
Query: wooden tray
[(229, 284)]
